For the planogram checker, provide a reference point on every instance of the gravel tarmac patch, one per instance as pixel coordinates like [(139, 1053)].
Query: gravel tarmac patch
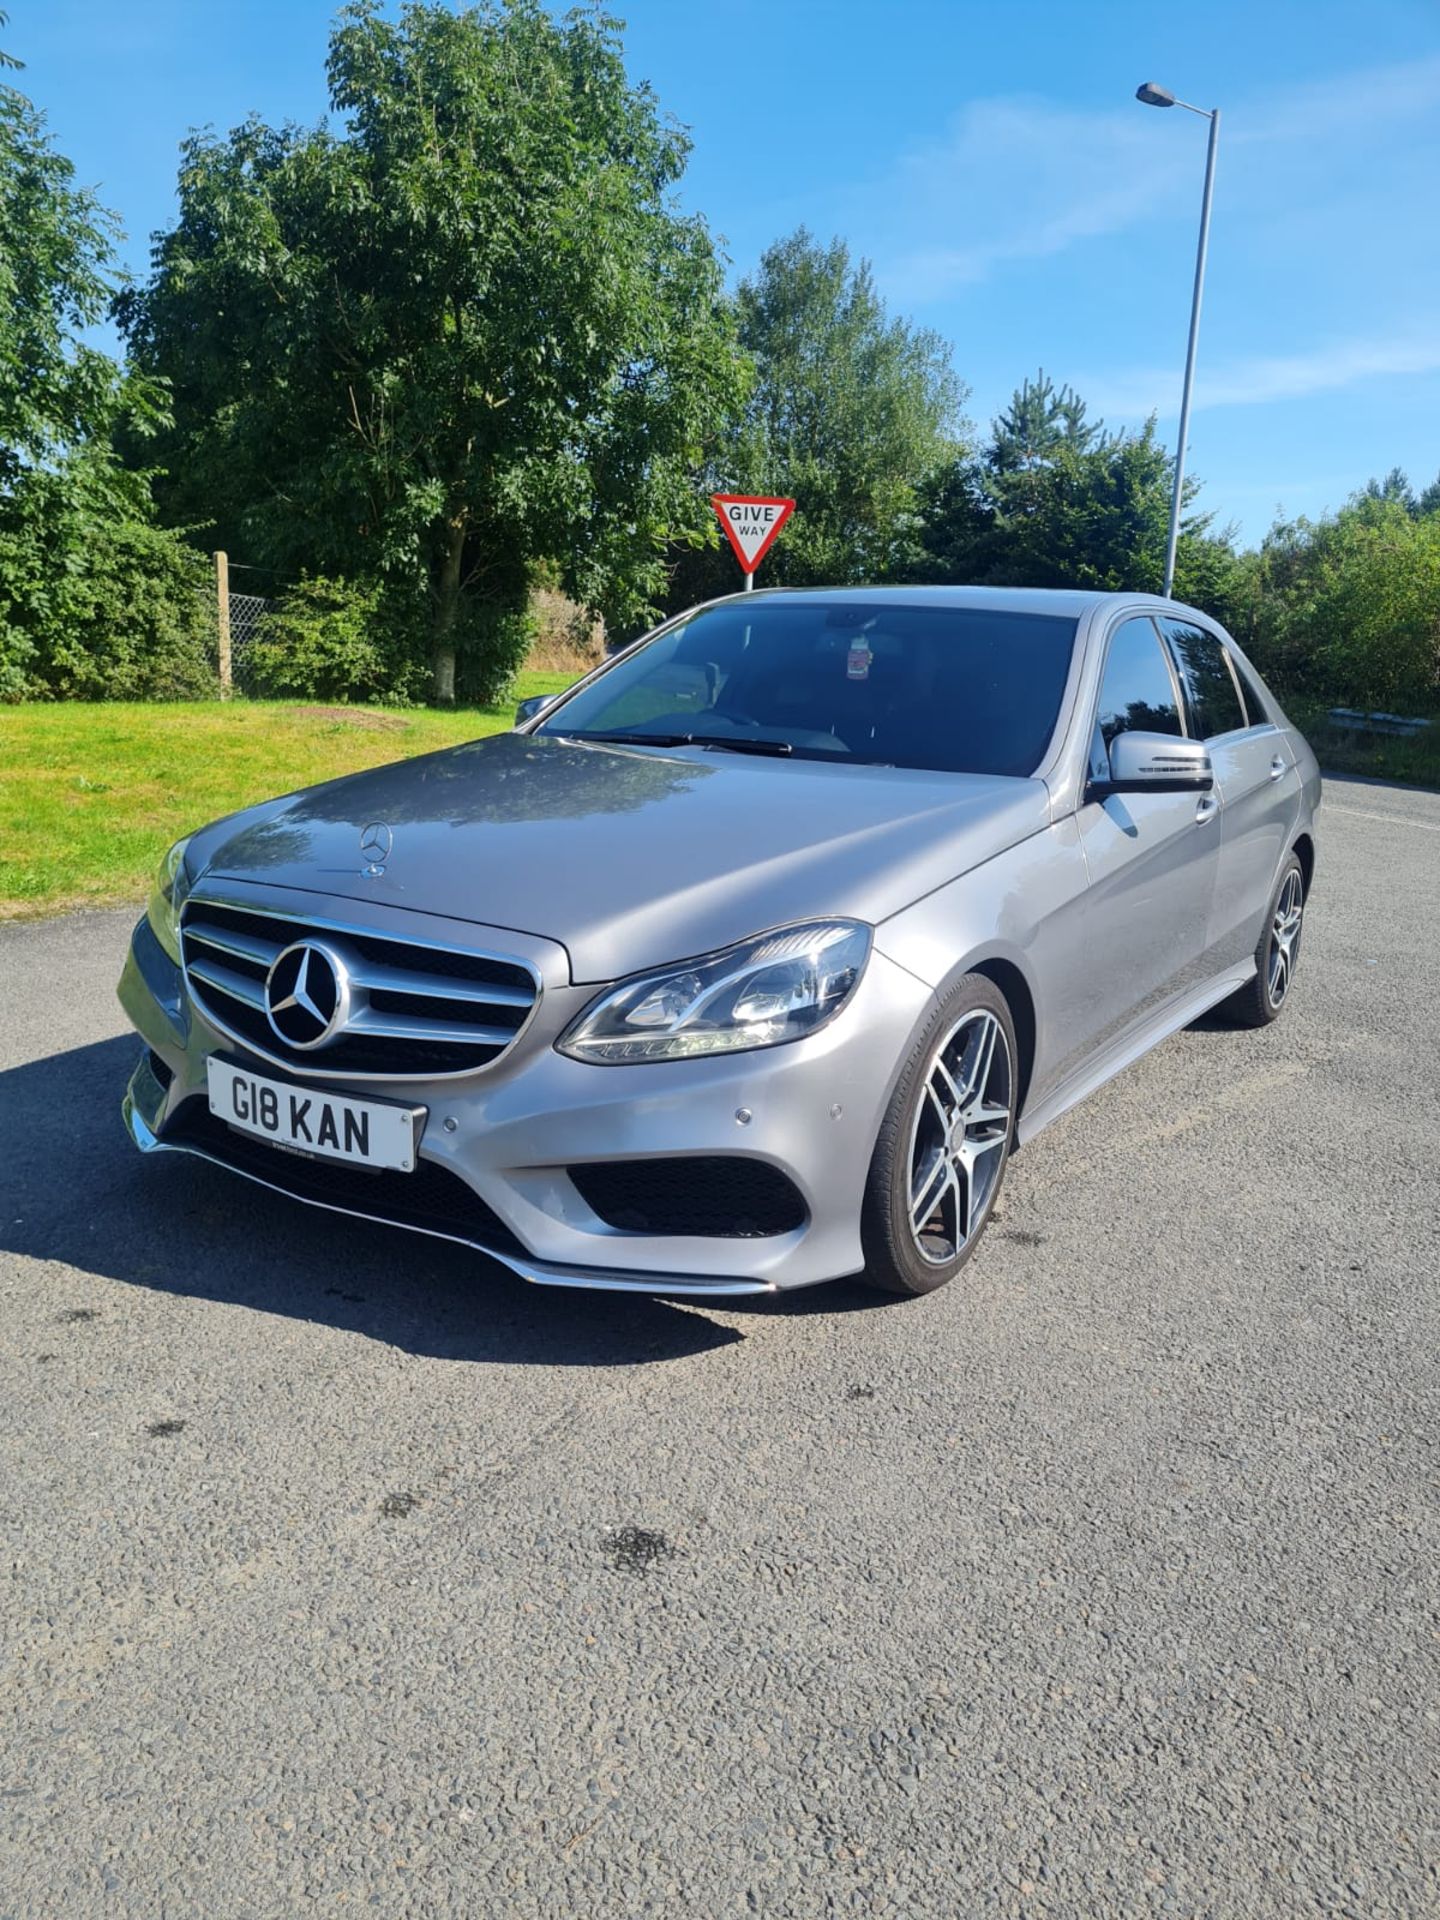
[(344, 1572)]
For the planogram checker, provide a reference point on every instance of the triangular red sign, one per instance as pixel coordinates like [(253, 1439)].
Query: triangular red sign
[(751, 522)]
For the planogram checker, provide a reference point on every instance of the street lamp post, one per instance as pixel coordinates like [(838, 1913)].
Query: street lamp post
[(1154, 96)]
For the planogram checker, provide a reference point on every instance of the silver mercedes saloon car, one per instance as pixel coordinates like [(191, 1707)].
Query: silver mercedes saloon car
[(748, 961)]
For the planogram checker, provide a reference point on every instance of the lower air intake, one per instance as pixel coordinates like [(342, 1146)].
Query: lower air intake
[(704, 1196)]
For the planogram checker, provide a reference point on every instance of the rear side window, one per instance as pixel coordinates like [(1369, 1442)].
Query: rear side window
[(1257, 709), (1137, 693), (1205, 675)]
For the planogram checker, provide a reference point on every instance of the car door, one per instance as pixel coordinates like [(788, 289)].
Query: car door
[(1151, 858), (1256, 782)]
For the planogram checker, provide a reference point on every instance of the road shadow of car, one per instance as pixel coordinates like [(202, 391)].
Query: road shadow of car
[(1217, 1019), (76, 1191)]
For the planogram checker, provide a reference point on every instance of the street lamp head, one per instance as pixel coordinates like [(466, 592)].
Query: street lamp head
[(1154, 96)]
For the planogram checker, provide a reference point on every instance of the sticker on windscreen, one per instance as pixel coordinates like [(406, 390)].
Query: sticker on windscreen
[(857, 662)]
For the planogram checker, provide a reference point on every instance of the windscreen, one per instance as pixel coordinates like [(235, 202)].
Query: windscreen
[(955, 689)]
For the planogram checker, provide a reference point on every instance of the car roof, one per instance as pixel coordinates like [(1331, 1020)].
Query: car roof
[(1066, 602)]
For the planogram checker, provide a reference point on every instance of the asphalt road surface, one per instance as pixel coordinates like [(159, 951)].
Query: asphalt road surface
[(343, 1572)]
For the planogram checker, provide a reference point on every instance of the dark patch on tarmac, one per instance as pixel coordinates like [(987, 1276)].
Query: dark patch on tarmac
[(636, 1549)]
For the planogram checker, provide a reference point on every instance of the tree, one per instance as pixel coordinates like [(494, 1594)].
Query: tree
[(1347, 608), (1040, 420), (1055, 501), (56, 252), (1394, 487), (465, 333), (849, 409), (93, 598)]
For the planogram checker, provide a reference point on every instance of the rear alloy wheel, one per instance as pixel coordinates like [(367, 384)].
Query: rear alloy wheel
[(1260, 1000), (942, 1150)]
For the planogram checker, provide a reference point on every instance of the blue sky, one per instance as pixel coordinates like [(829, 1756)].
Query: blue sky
[(992, 162)]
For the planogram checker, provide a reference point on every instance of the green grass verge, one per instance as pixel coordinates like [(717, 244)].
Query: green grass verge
[(1377, 756), (92, 794)]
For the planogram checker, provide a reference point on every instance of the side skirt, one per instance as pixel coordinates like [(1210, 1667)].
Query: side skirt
[(1131, 1046)]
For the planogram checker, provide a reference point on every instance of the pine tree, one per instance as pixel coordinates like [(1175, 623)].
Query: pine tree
[(1040, 419)]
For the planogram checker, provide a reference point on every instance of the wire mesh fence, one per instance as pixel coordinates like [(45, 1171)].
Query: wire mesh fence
[(239, 619), (247, 612)]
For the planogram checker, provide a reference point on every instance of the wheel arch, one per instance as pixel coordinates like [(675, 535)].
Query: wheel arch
[(1021, 1002), (1304, 852), (1010, 978)]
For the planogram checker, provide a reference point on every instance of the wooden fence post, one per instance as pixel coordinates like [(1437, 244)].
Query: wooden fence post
[(222, 608)]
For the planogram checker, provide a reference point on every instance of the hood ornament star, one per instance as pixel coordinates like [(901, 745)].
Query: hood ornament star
[(376, 842)]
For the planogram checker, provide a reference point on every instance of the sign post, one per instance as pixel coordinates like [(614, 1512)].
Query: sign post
[(751, 522)]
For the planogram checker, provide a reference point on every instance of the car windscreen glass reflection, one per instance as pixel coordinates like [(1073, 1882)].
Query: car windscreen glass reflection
[(948, 689)]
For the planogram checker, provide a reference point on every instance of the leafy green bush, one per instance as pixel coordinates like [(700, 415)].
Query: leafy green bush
[(1376, 610), (494, 644), (137, 625), (17, 650), (331, 640), (95, 604), (96, 601), (1346, 610)]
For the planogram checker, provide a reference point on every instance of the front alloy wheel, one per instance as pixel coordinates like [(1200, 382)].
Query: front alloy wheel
[(943, 1147)]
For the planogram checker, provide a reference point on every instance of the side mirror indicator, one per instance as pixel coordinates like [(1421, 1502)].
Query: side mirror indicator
[(1156, 763)]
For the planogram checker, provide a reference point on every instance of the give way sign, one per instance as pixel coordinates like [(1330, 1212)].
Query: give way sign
[(751, 522)]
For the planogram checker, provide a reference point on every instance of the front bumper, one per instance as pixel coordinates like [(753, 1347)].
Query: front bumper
[(814, 1108)]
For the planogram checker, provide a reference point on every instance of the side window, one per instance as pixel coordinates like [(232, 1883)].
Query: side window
[(1257, 708), (1205, 675), (1137, 693)]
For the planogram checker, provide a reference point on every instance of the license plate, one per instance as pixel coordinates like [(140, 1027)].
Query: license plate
[(327, 1126)]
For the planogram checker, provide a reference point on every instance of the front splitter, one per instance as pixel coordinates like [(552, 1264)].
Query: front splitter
[(538, 1273)]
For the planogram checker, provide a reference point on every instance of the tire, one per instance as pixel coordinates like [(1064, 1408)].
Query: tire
[(927, 1148), (1264, 998)]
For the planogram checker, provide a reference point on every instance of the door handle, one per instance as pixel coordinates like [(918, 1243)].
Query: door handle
[(1206, 809), (1277, 766)]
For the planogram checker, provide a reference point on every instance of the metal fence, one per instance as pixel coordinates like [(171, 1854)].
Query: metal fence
[(238, 617), (246, 612)]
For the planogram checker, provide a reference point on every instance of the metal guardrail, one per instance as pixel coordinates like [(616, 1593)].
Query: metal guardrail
[(1353, 720)]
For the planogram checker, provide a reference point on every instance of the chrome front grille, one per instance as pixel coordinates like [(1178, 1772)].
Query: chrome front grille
[(416, 1011)]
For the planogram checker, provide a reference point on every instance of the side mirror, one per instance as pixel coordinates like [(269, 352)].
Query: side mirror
[(1156, 763), (532, 708)]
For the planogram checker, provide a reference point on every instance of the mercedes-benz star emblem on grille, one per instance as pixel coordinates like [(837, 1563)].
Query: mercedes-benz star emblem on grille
[(307, 995), (375, 844)]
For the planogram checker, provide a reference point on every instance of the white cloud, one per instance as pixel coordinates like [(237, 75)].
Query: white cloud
[(1371, 98), (1023, 178), (1259, 380)]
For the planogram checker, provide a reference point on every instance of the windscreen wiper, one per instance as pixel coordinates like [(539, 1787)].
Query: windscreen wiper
[(635, 739), (723, 743)]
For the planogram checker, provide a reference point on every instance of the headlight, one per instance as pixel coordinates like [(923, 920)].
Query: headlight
[(167, 897), (762, 993)]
